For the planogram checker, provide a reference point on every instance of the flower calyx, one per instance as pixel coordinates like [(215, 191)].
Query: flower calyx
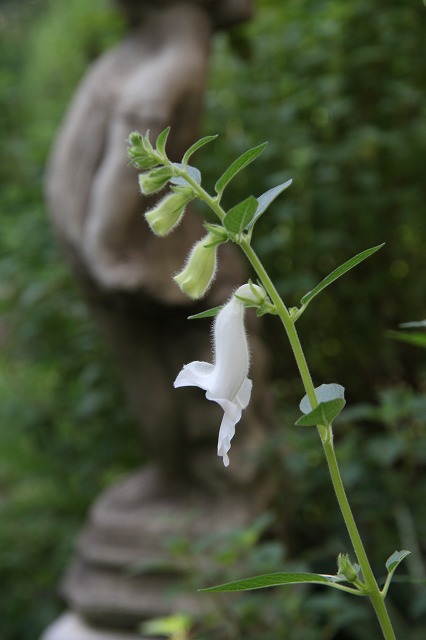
[(255, 296), (346, 569), (218, 233), (141, 151), (154, 180)]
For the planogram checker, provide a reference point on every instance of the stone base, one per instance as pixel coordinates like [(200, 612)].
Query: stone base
[(123, 572), (70, 626)]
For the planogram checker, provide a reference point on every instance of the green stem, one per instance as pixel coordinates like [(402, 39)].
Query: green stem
[(213, 203), (288, 323), (370, 585)]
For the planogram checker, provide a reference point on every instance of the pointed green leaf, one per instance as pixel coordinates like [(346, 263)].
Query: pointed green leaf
[(323, 414), (415, 338), (206, 314), (239, 216), (275, 580), (161, 141), (192, 172), (334, 275), (267, 198), (324, 393), (393, 561), (197, 145), (413, 325), (238, 164)]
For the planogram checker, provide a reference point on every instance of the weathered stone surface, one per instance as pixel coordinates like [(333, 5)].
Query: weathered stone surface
[(124, 570), (72, 627)]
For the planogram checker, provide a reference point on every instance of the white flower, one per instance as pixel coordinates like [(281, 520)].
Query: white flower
[(225, 381)]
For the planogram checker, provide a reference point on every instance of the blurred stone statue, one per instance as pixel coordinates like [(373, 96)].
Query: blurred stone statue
[(154, 78)]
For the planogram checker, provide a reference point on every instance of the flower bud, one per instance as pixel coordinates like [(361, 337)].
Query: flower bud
[(169, 211), (152, 181), (200, 268), (141, 152), (346, 568), (251, 293)]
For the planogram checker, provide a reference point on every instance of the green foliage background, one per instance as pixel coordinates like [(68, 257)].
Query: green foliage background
[(338, 90)]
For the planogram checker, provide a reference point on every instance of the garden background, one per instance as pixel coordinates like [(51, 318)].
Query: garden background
[(338, 90)]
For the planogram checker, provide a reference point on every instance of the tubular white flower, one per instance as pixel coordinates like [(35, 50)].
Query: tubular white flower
[(225, 381)]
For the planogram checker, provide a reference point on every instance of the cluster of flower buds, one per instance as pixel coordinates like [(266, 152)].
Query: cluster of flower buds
[(157, 172), (141, 151), (225, 380)]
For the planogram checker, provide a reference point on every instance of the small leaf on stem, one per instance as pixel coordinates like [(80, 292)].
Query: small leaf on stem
[(323, 414), (275, 580), (334, 275), (197, 145), (206, 314), (415, 338), (161, 141), (266, 199), (192, 172), (240, 163), (324, 393), (393, 561), (237, 218)]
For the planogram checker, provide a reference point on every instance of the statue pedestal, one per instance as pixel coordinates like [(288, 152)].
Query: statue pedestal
[(70, 626)]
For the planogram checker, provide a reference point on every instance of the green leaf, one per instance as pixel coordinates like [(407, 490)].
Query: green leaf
[(275, 580), (267, 198), (192, 172), (323, 414), (161, 141), (238, 164), (415, 338), (413, 325), (206, 314), (324, 393), (196, 146), (393, 561), (334, 275), (239, 216)]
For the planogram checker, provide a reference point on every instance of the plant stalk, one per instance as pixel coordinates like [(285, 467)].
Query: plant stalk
[(370, 584)]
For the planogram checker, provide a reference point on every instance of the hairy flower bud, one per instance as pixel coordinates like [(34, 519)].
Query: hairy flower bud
[(141, 152), (164, 217), (198, 273), (251, 293), (346, 568), (152, 181)]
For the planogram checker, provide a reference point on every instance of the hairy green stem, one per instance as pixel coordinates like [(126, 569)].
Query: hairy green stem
[(370, 584)]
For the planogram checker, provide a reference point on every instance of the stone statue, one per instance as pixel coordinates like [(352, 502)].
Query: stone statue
[(154, 78)]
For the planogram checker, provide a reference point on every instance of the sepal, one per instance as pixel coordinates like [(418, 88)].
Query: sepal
[(155, 180)]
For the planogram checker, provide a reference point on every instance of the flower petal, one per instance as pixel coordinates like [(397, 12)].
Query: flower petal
[(226, 433), (232, 411), (195, 374), (243, 395)]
